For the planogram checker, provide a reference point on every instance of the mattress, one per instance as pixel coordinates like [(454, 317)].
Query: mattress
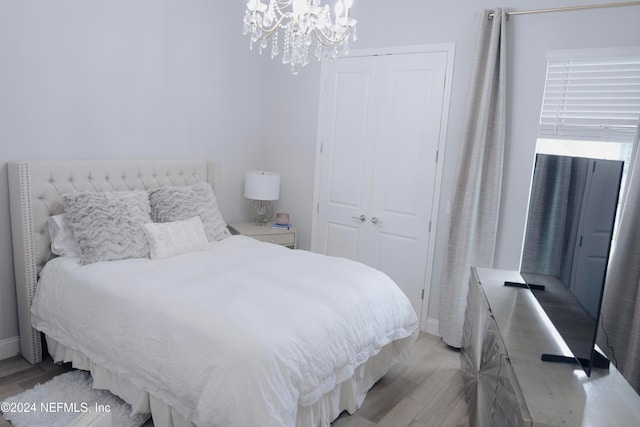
[(241, 334)]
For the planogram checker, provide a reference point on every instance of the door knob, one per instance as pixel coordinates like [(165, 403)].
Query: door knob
[(361, 218), (375, 220)]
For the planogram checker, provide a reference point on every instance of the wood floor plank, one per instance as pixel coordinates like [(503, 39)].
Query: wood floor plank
[(16, 377), (443, 403), (402, 414), (9, 389), (431, 388), (459, 417), (383, 397), (353, 421), (13, 365), (420, 361)]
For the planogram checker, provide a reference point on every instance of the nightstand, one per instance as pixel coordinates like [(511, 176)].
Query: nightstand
[(266, 233)]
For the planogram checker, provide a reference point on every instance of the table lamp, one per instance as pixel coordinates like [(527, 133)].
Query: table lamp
[(261, 187)]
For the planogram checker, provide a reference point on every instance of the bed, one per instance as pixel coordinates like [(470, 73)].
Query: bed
[(234, 333)]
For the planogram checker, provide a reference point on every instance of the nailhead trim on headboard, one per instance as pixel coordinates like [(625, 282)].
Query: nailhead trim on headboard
[(29, 272)]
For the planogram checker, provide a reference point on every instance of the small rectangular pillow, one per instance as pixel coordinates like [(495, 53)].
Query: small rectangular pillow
[(108, 225), (62, 241), (168, 239), (184, 202)]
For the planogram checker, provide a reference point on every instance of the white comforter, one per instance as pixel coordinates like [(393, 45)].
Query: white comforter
[(235, 336)]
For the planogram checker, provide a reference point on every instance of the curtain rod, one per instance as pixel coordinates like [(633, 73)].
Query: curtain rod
[(569, 8)]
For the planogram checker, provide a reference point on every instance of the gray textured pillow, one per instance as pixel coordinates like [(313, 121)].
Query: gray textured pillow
[(108, 226), (180, 203)]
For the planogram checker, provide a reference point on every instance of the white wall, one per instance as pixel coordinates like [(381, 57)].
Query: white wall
[(292, 137), (126, 79)]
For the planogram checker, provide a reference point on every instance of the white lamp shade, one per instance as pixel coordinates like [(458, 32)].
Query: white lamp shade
[(260, 185)]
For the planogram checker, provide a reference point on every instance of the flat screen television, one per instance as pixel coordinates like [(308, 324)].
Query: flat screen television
[(570, 223)]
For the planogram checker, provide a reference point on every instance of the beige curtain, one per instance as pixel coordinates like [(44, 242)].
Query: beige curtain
[(476, 194), (619, 334)]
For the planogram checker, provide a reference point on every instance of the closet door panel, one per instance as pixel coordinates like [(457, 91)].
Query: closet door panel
[(343, 241), (411, 94), (349, 111)]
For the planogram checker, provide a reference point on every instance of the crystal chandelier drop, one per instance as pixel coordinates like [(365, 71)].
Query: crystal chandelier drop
[(300, 20)]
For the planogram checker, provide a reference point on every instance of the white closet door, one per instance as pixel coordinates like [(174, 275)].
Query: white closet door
[(380, 129), (351, 108), (404, 171)]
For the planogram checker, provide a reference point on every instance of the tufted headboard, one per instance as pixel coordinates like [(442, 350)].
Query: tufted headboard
[(35, 190)]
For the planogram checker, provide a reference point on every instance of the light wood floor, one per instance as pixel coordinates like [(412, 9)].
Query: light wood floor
[(426, 390)]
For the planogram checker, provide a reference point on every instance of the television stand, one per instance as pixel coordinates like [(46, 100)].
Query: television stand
[(525, 285), (505, 331), (600, 361)]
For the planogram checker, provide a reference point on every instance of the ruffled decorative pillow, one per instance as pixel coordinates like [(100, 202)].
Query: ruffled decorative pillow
[(184, 202), (108, 225)]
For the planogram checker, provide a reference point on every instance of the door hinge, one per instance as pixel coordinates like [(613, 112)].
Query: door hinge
[(422, 296), (321, 147), (580, 245), (437, 155), (429, 226), (317, 208)]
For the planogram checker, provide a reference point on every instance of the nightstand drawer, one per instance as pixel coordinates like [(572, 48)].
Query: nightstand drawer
[(266, 234), (286, 239)]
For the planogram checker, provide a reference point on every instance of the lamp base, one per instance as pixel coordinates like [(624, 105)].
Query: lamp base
[(261, 212)]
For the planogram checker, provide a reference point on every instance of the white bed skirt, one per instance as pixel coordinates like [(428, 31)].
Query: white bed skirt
[(346, 396)]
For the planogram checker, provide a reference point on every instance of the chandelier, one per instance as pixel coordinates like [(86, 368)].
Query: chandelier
[(301, 21)]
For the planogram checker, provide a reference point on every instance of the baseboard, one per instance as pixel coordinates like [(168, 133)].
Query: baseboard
[(433, 326), (9, 347)]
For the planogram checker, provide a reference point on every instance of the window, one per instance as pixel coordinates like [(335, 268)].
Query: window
[(591, 105), (592, 95)]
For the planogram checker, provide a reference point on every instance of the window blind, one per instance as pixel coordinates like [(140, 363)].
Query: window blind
[(591, 99)]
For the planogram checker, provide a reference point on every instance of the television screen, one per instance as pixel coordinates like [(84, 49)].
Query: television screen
[(570, 223)]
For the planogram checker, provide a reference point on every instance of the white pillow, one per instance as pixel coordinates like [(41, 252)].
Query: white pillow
[(62, 241), (167, 239)]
